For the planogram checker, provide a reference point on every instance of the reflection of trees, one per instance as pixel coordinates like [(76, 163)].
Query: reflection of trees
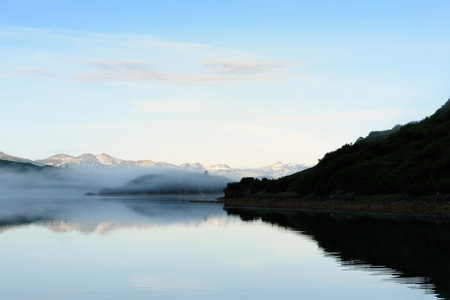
[(101, 215), (21, 220), (417, 250)]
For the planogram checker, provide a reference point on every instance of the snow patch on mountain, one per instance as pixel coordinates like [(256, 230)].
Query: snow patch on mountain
[(104, 161)]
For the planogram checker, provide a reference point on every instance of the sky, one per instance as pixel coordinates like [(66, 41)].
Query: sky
[(243, 83)]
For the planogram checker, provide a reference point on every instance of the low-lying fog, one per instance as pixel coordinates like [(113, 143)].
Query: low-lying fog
[(134, 180), (54, 197)]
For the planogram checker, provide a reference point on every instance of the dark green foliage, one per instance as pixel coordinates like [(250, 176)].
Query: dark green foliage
[(18, 167), (246, 187), (379, 135), (411, 160)]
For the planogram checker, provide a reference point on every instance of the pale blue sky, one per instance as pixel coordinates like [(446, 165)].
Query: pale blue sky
[(245, 83)]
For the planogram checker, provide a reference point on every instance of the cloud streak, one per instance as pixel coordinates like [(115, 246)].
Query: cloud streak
[(244, 67), (35, 73), (213, 73), (349, 115), (123, 70), (171, 106), (92, 57), (266, 131)]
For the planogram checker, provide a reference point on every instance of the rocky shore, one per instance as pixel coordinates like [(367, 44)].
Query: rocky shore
[(430, 206)]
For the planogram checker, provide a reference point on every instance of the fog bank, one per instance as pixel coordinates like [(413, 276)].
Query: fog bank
[(52, 180)]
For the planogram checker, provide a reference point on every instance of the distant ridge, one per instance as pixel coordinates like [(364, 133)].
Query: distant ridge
[(105, 161), (4, 156), (89, 160), (21, 167)]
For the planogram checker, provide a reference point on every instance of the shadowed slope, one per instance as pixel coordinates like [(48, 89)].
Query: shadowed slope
[(414, 160)]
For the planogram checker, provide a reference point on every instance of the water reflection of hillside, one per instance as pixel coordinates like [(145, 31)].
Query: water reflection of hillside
[(101, 215), (412, 250)]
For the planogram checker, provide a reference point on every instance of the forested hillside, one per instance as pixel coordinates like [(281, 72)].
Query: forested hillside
[(20, 167), (411, 160)]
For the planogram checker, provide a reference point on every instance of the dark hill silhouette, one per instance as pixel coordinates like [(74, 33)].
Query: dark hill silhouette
[(175, 182), (411, 160), (20, 167)]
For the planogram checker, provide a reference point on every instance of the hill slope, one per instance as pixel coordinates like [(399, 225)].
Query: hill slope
[(21, 167), (413, 160), (179, 182), (4, 156)]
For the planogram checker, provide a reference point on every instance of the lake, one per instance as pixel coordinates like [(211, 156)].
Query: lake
[(164, 247)]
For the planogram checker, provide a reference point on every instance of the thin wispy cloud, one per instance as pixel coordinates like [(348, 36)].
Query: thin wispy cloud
[(244, 67), (35, 73), (348, 115), (111, 64), (171, 106), (123, 70), (266, 131), (225, 79), (113, 41), (227, 72), (178, 63), (215, 73), (73, 127)]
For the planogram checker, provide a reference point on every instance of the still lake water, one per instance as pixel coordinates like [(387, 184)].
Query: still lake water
[(163, 247)]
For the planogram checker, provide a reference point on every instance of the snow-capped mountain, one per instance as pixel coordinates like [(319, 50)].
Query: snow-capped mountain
[(224, 168), (279, 169), (276, 170), (105, 161), (194, 167)]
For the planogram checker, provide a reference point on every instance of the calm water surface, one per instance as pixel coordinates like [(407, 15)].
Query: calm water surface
[(163, 247)]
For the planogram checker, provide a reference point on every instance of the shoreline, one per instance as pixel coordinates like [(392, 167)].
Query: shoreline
[(417, 207)]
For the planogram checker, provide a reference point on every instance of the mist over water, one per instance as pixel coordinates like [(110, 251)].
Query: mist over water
[(165, 242), (56, 197), (172, 182), (165, 247), (81, 181)]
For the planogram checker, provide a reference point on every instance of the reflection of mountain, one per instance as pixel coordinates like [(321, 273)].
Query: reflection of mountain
[(103, 215), (417, 250), (90, 227), (109, 226)]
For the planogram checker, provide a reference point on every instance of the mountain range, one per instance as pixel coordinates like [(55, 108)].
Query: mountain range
[(105, 161)]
